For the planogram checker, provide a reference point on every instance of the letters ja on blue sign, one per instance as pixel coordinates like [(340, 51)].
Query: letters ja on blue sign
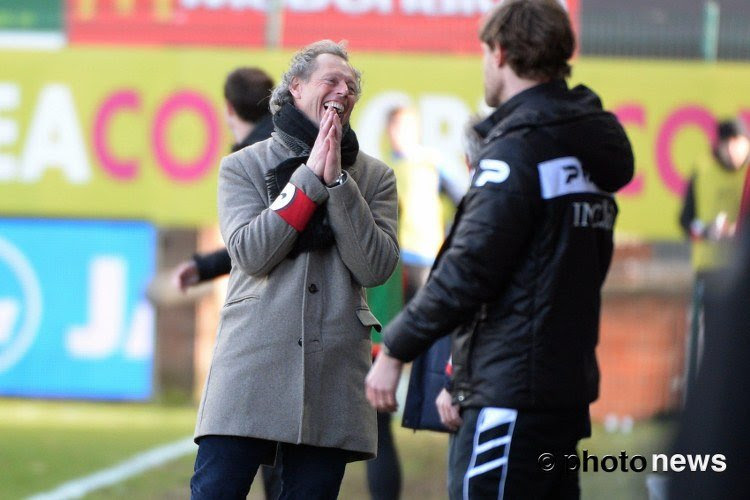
[(74, 321)]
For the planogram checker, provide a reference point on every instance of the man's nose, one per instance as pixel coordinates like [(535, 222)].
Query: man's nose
[(342, 88)]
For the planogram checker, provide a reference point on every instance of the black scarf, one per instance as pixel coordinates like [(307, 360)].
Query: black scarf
[(299, 133)]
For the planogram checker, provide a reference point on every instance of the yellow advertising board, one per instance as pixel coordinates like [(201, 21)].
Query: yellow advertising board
[(139, 133)]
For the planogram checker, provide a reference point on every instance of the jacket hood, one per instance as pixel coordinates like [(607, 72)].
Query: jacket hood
[(575, 118)]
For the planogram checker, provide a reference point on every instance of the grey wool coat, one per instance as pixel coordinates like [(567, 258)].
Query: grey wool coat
[(293, 343)]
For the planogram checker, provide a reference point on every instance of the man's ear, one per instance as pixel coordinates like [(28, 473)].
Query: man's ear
[(294, 87), (230, 109), (499, 55)]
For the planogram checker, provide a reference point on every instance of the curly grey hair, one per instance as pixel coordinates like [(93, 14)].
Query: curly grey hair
[(303, 65)]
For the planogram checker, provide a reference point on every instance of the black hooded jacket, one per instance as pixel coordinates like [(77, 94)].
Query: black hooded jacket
[(518, 279)]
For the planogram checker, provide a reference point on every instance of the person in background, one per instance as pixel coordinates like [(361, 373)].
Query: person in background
[(246, 94), (310, 222), (518, 279), (430, 372), (384, 471), (422, 175), (711, 209)]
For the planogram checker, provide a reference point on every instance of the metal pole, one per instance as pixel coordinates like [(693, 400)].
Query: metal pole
[(692, 351), (710, 46), (274, 18)]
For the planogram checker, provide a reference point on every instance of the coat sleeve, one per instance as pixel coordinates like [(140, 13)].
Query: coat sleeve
[(212, 265), (688, 212), (366, 232), (257, 236), (487, 242)]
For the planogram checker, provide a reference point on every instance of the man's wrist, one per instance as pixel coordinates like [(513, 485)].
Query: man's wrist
[(384, 349), (339, 181)]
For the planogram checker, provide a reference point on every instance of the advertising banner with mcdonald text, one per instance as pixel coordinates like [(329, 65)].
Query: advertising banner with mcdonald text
[(373, 25)]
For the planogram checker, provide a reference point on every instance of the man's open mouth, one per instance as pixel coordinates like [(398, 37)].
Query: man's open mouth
[(337, 106)]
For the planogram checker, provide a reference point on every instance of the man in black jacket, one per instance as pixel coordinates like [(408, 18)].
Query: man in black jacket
[(246, 94), (518, 279)]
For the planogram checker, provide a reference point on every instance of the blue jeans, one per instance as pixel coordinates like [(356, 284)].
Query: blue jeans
[(226, 466)]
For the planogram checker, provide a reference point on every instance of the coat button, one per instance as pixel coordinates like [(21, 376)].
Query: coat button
[(313, 288), (299, 341), (461, 397)]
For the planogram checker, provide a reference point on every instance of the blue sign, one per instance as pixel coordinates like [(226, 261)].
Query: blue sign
[(74, 321)]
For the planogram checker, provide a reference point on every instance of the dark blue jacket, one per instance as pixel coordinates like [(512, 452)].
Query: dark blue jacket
[(427, 379)]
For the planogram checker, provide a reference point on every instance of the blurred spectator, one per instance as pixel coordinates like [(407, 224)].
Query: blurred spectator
[(246, 94), (709, 217), (384, 471), (421, 175), (430, 372)]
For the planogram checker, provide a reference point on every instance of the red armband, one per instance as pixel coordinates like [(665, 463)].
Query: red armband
[(294, 206)]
